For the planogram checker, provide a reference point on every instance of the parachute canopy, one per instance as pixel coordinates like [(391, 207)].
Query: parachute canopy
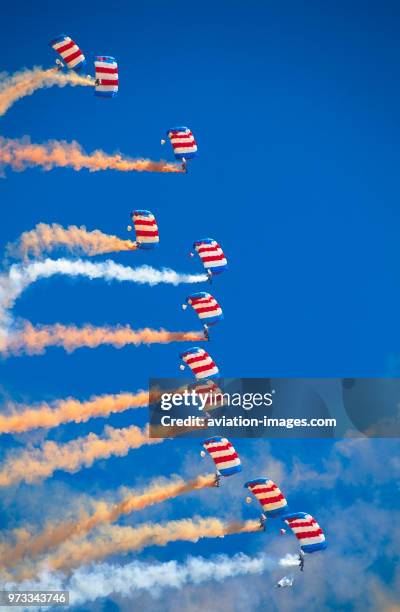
[(211, 255), (69, 52), (210, 393), (145, 228), (224, 455), (183, 142), (206, 307), (106, 76), (307, 531), (269, 495), (200, 362)]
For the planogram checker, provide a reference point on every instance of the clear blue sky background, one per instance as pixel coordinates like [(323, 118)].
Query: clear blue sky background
[(295, 110)]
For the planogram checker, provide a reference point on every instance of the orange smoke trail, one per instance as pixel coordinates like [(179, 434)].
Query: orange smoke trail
[(26, 418), (122, 540), (34, 340), (55, 534), (26, 82), (21, 154), (43, 238), (36, 464)]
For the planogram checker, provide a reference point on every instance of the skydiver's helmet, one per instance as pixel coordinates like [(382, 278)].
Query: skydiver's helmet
[(184, 306), (202, 453), (283, 532), (191, 254), (248, 500), (163, 141), (182, 367)]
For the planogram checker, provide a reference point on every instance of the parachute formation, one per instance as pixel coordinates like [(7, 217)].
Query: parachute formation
[(226, 460), (200, 363), (146, 229), (211, 255), (106, 80)]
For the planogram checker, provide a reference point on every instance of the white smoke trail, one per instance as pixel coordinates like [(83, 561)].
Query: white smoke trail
[(88, 583), (289, 560), (19, 277)]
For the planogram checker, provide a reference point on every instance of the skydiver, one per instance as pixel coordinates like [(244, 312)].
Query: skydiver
[(301, 561), (59, 65), (184, 165), (206, 332), (263, 521), (217, 481), (209, 276)]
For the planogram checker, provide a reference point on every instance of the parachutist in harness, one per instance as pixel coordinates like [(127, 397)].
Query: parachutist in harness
[(217, 481), (301, 561), (206, 332), (209, 276), (263, 521)]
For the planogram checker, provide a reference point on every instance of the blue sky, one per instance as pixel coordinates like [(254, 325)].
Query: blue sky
[(295, 110)]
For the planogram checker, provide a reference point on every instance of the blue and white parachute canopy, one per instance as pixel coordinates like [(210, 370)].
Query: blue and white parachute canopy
[(146, 229), (206, 307), (107, 82), (211, 254), (69, 52), (307, 531), (183, 142), (224, 455), (269, 495)]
